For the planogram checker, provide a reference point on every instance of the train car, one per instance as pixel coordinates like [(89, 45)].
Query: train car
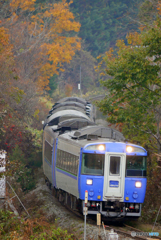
[(78, 155)]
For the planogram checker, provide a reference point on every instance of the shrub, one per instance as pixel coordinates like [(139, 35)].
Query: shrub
[(22, 172)]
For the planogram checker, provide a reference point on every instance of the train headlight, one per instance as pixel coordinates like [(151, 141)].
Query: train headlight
[(98, 147), (89, 182), (138, 184), (101, 147), (129, 149)]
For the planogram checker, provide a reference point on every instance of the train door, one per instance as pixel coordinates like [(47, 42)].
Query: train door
[(114, 176)]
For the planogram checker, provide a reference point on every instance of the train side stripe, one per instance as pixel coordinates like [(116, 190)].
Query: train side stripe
[(55, 155), (79, 172), (52, 170), (47, 162), (66, 173)]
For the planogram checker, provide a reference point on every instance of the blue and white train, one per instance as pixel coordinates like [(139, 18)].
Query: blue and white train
[(79, 155)]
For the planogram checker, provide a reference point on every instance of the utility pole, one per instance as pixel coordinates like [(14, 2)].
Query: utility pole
[(80, 82)]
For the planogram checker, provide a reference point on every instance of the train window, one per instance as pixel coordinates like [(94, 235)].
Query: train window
[(64, 160), (57, 160), (71, 163), (114, 165), (93, 164), (75, 164), (67, 161), (61, 159), (135, 166), (48, 152), (55, 121), (72, 160)]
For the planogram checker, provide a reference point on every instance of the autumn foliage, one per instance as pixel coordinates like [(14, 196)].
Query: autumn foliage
[(35, 41), (159, 7), (39, 39)]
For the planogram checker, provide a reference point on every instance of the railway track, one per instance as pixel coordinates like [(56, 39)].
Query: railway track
[(98, 97), (137, 230), (119, 230), (124, 231)]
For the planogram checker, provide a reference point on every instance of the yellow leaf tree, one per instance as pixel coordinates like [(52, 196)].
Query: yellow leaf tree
[(43, 38), (6, 66)]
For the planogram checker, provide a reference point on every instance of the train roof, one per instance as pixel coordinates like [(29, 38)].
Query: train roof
[(69, 108), (68, 125), (88, 135), (73, 99), (92, 134), (73, 103), (69, 103), (65, 114), (72, 120), (82, 142), (76, 123)]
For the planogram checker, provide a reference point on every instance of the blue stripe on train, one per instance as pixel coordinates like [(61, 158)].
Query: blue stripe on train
[(54, 162), (66, 173), (79, 172), (47, 162)]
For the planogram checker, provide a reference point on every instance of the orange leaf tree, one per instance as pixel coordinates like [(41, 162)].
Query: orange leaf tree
[(6, 68), (43, 38)]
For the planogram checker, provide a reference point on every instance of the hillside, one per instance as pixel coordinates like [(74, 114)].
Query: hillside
[(103, 22)]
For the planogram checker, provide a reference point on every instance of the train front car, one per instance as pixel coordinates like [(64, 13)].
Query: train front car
[(114, 174), (79, 155)]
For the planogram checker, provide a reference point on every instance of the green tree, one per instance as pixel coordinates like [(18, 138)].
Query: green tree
[(148, 11), (22, 173), (103, 22), (134, 87), (52, 84), (81, 66)]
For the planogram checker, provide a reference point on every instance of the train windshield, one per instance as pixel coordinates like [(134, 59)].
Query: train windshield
[(135, 166), (93, 164)]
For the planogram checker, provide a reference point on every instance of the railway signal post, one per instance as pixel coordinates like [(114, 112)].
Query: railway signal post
[(99, 221), (85, 212)]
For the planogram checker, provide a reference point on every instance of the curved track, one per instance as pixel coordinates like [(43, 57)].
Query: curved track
[(123, 231)]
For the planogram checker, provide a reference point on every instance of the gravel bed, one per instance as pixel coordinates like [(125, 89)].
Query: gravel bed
[(65, 219)]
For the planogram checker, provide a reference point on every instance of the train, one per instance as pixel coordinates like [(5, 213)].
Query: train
[(80, 156)]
